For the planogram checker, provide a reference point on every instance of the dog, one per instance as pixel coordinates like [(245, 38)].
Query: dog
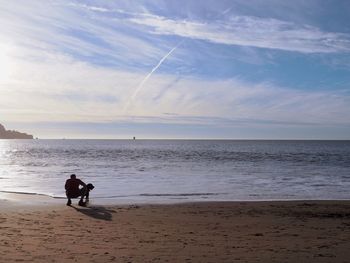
[(89, 188)]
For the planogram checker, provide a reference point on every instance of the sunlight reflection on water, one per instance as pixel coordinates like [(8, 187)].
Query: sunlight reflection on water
[(180, 170)]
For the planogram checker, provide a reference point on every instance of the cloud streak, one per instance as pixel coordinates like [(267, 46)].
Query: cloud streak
[(96, 63), (142, 83), (250, 31), (75, 31), (47, 91)]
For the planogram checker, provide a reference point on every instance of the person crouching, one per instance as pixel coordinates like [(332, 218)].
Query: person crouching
[(73, 190)]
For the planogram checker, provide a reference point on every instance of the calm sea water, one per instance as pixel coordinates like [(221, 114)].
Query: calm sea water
[(179, 170)]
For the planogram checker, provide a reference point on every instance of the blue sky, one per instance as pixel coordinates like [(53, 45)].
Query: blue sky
[(176, 69)]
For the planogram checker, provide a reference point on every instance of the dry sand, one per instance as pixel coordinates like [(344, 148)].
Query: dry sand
[(198, 232)]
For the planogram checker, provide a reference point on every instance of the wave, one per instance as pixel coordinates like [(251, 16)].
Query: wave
[(120, 196), (184, 194), (32, 193), (159, 195)]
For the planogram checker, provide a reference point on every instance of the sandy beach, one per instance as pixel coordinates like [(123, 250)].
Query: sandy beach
[(298, 231)]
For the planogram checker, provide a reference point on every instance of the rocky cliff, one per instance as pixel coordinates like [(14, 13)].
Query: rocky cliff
[(6, 134)]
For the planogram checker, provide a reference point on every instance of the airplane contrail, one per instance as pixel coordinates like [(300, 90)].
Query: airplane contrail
[(139, 87)]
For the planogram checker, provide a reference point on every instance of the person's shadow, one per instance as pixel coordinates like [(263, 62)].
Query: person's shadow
[(97, 212)]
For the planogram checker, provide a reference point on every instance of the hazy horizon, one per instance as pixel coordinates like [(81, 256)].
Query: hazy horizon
[(166, 69)]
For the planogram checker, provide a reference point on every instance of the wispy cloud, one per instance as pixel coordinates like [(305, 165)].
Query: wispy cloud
[(69, 61), (250, 31), (72, 31), (48, 91)]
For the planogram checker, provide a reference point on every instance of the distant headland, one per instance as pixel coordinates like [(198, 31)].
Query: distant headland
[(7, 134)]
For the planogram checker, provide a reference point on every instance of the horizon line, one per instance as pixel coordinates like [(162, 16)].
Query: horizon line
[(190, 139)]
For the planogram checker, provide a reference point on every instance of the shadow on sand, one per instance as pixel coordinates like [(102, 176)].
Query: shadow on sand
[(97, 212)]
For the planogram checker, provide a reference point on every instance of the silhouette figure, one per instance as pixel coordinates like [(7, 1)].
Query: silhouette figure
[(73, 190)]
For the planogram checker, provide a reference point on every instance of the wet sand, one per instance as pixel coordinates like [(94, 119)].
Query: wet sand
[(303, 231)]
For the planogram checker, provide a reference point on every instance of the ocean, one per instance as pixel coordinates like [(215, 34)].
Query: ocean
[(166, 171)]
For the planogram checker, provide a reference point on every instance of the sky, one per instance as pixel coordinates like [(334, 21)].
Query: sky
[(176, 69)]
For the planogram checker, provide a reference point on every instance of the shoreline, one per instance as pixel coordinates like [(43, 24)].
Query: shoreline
[(266, 231), (37, 199)]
